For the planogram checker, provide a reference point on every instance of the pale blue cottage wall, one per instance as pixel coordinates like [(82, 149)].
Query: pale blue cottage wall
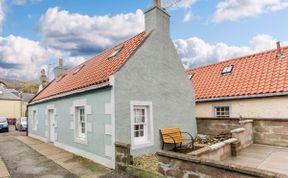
[(155, 74), (97, 139)]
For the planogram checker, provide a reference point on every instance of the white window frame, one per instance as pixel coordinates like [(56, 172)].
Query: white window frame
[(148, 138), (78, 124), (222, 106), (34, 119)]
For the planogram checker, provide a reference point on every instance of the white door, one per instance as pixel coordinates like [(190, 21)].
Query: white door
[(51, 120)]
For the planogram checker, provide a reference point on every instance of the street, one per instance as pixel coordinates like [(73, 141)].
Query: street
[(23, 162)]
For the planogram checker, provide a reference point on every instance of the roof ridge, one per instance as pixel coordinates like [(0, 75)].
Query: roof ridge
[(236, 58)]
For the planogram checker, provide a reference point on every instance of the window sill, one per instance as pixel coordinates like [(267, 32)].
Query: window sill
[(136, 146), (82, 141)]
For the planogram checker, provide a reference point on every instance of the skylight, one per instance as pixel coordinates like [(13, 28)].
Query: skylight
[(227, 69), (78, 69), (190, 76), (115, 51)]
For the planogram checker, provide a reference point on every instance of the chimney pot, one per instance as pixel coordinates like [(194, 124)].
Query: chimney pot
[(278, 47), (157, 3)]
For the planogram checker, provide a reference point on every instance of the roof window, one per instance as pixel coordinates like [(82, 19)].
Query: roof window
[(78, 69), (191, 76), (227, 69), (115, 51)]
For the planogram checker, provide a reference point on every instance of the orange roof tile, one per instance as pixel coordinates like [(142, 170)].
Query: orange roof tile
[(260, 73), (95, 71)]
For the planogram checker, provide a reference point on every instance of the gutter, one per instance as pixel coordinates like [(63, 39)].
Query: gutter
[(94, 87), (243, 97)]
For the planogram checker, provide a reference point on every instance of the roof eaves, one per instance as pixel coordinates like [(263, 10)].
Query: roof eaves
[(233, 59), (81, 90), (242, 97)]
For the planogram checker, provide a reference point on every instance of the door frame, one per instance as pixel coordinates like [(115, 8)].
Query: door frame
[(51, 124)]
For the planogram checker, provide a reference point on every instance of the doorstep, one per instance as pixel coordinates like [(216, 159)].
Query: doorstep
[(75, 164), (3, 170)]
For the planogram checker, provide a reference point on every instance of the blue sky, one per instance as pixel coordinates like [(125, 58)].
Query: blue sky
[(34, 33)]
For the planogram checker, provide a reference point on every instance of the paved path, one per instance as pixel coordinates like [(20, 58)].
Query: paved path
[(24, 162), (270, 158), (79, 166), (3, 170)]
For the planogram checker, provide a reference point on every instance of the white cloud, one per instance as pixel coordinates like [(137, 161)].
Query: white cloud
[(22, 2), (177, 4), (2, 13), (19, 57), (195, 51), (83, 34), (232, 10), (187, 16)]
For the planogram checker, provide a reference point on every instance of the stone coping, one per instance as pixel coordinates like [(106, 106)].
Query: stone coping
[(241, 119), (238, 130), (123, 145), (217, 164), (245, 121), (212, 147)]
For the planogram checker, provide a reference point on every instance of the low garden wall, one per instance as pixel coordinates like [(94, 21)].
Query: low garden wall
[(181, 166), (215, 126), (271, 131), (265, 130)]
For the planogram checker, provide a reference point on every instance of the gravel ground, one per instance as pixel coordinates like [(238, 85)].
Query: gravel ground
[(149, 162)]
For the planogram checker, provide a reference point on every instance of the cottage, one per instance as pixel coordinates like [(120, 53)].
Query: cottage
[(124, 94), (253, 86), (10, 104)]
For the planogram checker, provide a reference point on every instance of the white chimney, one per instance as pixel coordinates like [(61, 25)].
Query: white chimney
[(59, 70), (157, 18)]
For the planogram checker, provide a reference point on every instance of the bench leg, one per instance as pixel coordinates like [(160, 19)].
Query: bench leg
[(162, 145), (175, 146)]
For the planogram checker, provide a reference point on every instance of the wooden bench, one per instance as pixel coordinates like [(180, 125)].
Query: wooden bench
[(174, 136)]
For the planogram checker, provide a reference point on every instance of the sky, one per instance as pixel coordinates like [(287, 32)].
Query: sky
[(34, 34)]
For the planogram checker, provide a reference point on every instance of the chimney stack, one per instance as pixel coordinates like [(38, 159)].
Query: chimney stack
[(59, 70), (43, 80), (157, 19), (279, 53)]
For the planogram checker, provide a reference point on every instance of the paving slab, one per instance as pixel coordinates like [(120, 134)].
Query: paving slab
[(75, 164), (265, 157), (4, 173), (23, 162)]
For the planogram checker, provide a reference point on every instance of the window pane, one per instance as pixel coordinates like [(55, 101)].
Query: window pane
[(141, 133)]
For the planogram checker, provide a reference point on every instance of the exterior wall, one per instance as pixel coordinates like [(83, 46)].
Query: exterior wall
[(154, 74), (215, 126), (182, 166), (99, 145), (269, 107), (10, 108), (271, 132)]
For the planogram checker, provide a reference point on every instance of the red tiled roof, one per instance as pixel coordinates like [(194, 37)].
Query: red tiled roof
[(260, 73), (95, 71)]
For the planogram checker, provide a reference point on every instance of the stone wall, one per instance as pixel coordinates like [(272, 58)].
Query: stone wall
[(123, 156), (180, 165), (244, 134), (215, 126), (218, 151), (265, 130), (271, 132)]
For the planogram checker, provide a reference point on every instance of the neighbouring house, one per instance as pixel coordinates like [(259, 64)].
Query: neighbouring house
[(124, 94), (253, 86), (10, 103)]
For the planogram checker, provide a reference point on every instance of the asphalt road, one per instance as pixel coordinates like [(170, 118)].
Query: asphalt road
[(23, 162)]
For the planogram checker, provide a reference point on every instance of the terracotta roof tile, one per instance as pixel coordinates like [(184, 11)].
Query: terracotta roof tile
[(254, 74), (95, 71)]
